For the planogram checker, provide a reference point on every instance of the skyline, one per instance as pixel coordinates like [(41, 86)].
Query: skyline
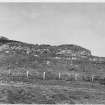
[(81, 24)]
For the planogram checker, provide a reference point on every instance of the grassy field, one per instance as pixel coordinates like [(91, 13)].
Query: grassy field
[(52, 92)]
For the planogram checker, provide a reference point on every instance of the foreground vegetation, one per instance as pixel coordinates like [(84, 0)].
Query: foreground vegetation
[(52, 92)]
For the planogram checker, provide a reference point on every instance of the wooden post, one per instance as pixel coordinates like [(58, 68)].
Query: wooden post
[(9, 71), (92, 78), (71, 61), (59, 75), (27, 73), (44, 75), (76, 76)]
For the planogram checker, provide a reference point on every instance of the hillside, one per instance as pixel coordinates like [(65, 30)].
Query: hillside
[(15, 54), (48, 67)]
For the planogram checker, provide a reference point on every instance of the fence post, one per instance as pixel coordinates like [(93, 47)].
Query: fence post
[(44, 75), (92, 78), (76, 76), (59, 75), (27, 73), (9, 71)]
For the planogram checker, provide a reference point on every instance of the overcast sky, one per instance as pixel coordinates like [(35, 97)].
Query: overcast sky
[(55, 23)]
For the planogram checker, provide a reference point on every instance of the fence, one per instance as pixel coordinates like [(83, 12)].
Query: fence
[(28, 76)]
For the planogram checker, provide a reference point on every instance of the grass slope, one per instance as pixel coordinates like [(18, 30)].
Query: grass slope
[(81, 80)]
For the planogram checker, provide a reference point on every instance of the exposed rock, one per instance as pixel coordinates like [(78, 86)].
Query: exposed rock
[(3, 38)]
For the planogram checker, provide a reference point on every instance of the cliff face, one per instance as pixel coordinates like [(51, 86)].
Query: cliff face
[(48, 50)]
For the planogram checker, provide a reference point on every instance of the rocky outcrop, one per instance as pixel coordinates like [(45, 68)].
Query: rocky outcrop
[(2, 38), (67, 51), (73, 51), (97, 59)]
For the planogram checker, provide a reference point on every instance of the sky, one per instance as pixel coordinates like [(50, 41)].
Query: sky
[(81, 24)]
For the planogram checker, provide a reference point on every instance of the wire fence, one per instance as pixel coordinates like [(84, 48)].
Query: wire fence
[(31, 76)]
